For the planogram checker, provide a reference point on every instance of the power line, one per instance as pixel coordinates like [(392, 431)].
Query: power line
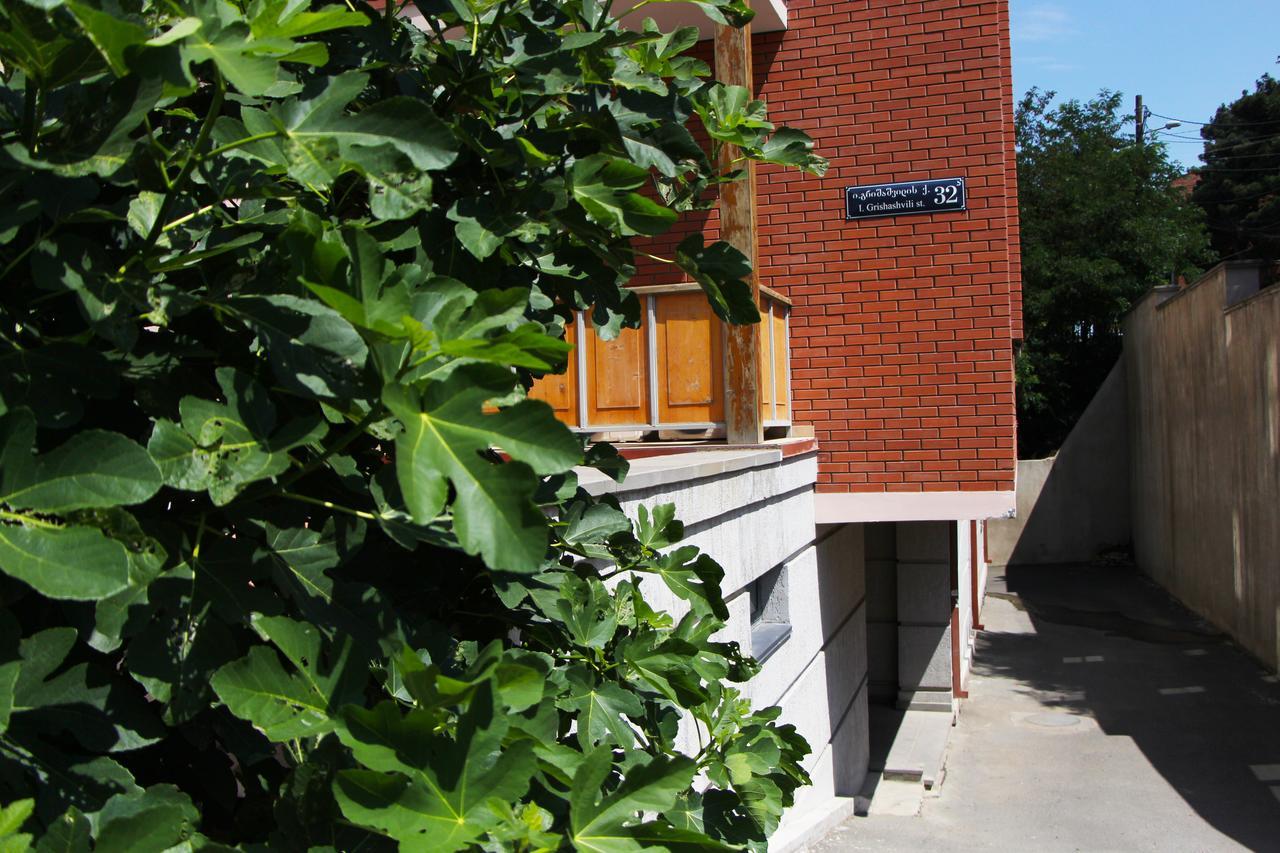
[(1226, 200), (1275, 154), (1223, 124), (1220, 149), (1190, 138), (1207, 168)]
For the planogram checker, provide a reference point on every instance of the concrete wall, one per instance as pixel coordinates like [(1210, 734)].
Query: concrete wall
[(1074, 505), (915, 572), (752, 510), (882, 611), (1204, 408)]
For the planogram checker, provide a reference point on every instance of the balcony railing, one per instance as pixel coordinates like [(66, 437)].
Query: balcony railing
[(668, 375)]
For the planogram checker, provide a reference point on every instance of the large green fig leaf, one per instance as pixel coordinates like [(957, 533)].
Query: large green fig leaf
[(78, 563), (722, 271), (8, 679), (614, 822), (695, 577), (312, 349), (446, 436), (94, 706), (601, 708), (224, 447), (159, 818), (92, 469), (320, 140), (282, 704), (70, 833), (428, 790), (12, 817), (605, 187), (46, 538)]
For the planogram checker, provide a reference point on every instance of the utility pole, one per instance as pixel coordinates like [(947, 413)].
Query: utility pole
[(1138, 114)]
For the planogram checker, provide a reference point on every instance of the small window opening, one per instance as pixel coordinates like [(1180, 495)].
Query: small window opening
[(770, 613)]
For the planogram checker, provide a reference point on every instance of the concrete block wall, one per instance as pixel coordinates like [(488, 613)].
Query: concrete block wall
[(916, 573), (819, 676), (924, 551), (755, 517)]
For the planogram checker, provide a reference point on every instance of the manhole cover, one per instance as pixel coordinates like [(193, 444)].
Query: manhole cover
[(1053, 721)]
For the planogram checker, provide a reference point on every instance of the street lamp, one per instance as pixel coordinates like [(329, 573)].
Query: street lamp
[(1141, 114)]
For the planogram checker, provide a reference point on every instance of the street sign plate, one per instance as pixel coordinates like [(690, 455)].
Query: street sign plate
[(936, 195)]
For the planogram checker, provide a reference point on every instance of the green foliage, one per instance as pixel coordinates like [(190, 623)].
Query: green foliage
[(1101, 225), (1239, 185), (288, 559)]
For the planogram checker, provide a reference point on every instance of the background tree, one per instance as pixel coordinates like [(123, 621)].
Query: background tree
[(1239, 185), (1101, 225), (274, 280)]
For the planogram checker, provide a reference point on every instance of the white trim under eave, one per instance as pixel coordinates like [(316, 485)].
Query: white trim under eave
[(852, 507)]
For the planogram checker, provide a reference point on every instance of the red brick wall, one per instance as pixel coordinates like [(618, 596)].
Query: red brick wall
[(903, 327), (1011, 178)]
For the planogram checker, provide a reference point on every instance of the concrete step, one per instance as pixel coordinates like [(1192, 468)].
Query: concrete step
[(918, 749)]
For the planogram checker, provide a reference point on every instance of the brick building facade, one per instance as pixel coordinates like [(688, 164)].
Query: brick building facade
[(902, 330)]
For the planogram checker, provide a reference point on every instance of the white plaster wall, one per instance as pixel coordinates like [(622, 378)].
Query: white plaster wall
[(983, 569)]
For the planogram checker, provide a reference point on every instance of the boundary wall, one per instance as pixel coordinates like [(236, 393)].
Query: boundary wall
[(1203, 370)]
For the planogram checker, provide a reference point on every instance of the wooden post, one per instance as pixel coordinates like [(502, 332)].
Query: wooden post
[(974, 592), (743, 420)]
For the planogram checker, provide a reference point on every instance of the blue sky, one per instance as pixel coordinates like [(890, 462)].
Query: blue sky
[(1185, 57)]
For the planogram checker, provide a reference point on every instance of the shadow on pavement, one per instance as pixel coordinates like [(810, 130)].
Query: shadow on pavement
[(1111, 644)]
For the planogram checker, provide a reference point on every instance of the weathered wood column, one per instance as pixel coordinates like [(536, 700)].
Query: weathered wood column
[(743, 419)]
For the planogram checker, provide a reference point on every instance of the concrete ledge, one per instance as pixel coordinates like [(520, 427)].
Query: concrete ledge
[(927, 701), (853, 507), (653, 472), (801, 829)]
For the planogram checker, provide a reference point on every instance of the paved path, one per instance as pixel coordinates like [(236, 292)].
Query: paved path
[(1102, 717)]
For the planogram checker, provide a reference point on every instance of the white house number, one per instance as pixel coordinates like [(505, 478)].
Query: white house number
[(946, 194)]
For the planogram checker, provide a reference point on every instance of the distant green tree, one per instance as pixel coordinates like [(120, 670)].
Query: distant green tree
[(1239, 186), (1101, 225)]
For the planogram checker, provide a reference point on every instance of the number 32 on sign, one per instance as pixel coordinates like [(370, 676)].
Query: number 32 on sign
[(937, 195)]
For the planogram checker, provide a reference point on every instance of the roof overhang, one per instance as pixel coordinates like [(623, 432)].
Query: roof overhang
[(771, 16)]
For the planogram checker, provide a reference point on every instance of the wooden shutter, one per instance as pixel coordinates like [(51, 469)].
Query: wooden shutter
[(561, 391), (690, 379), (617, 388)]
